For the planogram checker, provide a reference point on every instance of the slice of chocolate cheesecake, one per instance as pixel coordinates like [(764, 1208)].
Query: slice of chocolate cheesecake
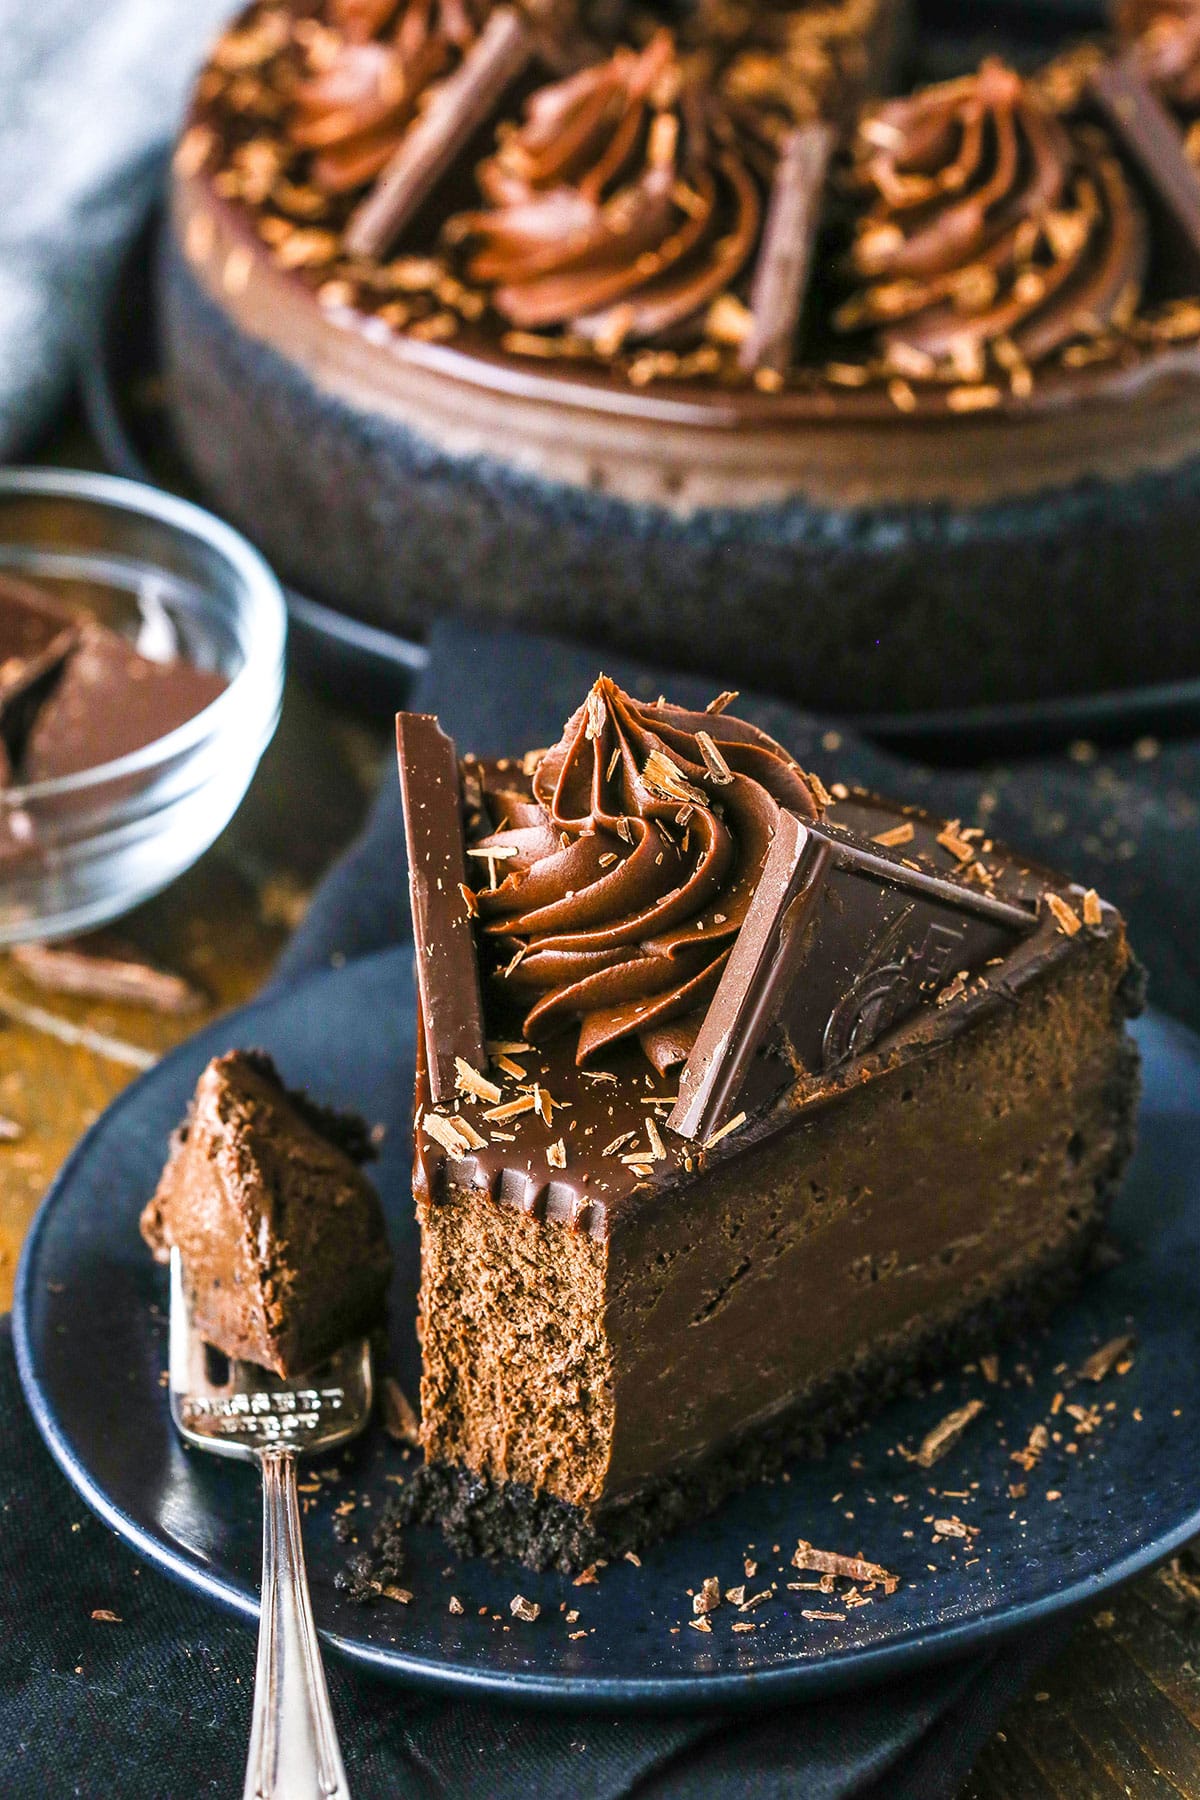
[(787, 1095), (280, 1233)]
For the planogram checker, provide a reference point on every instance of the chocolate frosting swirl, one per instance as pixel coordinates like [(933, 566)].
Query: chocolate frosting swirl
[(1167, 36), (993, 229), (628, 866), (353, 108), (623, 203)]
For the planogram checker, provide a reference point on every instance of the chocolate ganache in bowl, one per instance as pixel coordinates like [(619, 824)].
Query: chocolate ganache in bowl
[(628, 866)]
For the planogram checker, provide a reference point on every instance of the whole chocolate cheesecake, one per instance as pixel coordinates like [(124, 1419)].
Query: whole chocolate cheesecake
[(664, 342), (595, 331), (739, 1103)]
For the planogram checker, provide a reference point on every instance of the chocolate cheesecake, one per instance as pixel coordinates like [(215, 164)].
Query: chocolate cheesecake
[(739, 1102), (610, 315), (280, 1232)]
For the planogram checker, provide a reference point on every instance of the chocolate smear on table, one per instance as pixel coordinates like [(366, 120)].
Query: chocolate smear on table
[(453, 112), (105, 968), (447, 965), (1155, 146), (785, 255)]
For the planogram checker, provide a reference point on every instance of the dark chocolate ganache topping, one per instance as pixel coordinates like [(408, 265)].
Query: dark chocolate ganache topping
[(365, 79), (994, 231), (624, 202), (622, 871), (1167, 36)]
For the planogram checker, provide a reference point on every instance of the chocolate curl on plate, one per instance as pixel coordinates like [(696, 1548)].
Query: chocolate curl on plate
[(784, 266), (1154, 144), (454, 112)]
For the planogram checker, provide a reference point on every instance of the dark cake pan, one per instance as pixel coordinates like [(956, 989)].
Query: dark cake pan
[(855, 609)]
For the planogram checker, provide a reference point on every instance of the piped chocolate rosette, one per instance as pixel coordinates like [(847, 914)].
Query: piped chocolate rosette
[(995, 234), (624, 203), (624, 869), (1166, 34), (365, 77)]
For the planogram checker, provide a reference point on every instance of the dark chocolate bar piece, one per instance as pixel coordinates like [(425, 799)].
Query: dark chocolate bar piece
[(784, 266), (1153, 143), (842, 941), (453, 113), (447, 964)]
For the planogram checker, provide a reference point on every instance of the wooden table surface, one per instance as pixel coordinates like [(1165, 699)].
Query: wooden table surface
[(1118, 1714)]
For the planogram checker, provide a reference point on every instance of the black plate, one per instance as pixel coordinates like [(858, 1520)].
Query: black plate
[(90, 1335), (123, 397)]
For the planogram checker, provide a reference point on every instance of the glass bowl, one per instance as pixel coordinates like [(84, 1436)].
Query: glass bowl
[(78, 851)]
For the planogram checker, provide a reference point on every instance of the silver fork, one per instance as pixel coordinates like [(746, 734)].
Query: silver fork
[(252, 1414)]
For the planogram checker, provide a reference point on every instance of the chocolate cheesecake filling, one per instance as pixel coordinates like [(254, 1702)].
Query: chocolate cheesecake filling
[(643, 1279)]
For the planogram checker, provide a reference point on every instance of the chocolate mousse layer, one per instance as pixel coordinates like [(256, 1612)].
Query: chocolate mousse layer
[(281, 1235), (790, 1094)]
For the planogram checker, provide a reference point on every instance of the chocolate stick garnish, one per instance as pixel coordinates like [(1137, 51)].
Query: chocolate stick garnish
[(447, 965), (1154, 143), (785, 255), (455, 111)]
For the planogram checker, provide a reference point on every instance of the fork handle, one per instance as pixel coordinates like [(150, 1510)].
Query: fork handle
[(293, 1744)]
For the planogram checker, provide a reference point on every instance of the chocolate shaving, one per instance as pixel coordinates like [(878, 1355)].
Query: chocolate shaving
[(852, 1568), (399, 1416), (935, 1444), (1108, 1357), (453, 114), (709, 1597), (1029, 1457), (104, 969), (785, 253)]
